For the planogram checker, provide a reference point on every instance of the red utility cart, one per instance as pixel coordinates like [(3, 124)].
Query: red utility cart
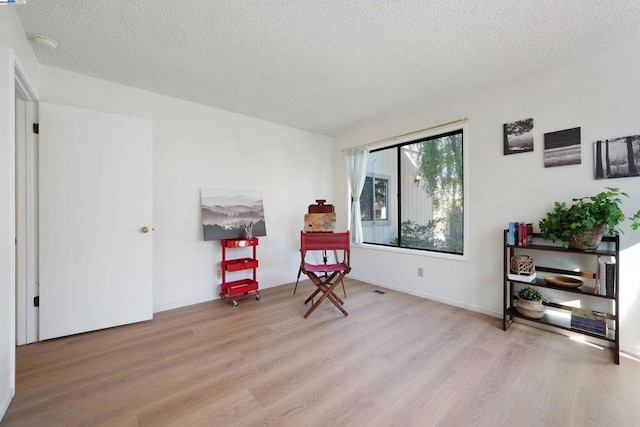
[(236, 290)]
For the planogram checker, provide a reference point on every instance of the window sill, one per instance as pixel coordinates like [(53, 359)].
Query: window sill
[(415, 252)]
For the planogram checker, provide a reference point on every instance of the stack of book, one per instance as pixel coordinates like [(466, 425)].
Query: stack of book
[(589, 320), (520, 234), (522, 277), (605, 276)]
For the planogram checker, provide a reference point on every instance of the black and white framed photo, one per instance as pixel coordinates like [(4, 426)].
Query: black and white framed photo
[(562, 148), (229, 213), (617, 158), (518, 136)]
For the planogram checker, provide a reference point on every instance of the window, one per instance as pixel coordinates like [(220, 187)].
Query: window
[(373, 201), (416, 187)]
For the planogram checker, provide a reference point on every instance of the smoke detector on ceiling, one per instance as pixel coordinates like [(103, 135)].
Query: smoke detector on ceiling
[(41, 40)]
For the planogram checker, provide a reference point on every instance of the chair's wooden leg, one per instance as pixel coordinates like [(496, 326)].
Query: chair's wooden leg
[(328, 293), (335, 256), (312, 309), (341, 308), (337, 304), (324, 288), (336, 297), (313, 295), (317, 303), (298, 279), (338, 277), (316, 281)]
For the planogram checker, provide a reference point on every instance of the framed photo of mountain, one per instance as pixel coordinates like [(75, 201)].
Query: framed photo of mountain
[(227, 213)]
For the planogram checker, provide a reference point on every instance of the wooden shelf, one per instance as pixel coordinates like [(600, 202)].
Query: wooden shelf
[(238, 287), (554, 248), (582, 290), (239, 243), (550, 248), (240, 264), (563, 323)]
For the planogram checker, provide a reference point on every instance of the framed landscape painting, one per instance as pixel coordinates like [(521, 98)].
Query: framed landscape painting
[(226, 213), (617, 158), (518, 136), (562, 148)]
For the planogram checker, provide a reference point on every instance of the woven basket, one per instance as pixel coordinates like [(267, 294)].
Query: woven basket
[(588, 240), (533, 309)]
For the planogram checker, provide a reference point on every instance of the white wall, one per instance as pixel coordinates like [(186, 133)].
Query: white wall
[(197, 146), (599, 94)]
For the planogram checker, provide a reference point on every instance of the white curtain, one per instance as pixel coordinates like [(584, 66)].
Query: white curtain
[(357, 170)]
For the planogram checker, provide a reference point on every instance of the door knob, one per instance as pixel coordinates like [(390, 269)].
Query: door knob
[(145, 229)]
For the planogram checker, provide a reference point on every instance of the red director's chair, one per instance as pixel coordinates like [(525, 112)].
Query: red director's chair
[(325, 276)]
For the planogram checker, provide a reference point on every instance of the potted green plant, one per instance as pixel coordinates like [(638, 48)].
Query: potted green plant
[(582, 224), (529, 302)]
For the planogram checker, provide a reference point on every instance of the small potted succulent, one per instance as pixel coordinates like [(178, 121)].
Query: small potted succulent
[(529, 302), (582, 225)]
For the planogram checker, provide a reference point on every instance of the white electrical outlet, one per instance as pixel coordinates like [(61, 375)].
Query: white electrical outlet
[(219, 274), (420, 272)]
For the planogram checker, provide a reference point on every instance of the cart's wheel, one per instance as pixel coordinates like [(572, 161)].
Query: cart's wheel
[(235, 303), (258, 297)]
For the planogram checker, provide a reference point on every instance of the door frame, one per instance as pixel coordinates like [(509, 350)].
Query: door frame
[(26, 227)]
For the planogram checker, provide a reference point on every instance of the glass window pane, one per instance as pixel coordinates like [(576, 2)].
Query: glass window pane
[(432, 216), (380, 203), (380, 224), (366, 200)]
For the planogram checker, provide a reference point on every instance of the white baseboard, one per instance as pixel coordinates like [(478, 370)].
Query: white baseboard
[(183, 303), (6, 400), (630, 350), (431, 297), (196, 300)]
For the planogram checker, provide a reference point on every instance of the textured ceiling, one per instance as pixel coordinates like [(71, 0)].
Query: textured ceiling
[(324, 66)]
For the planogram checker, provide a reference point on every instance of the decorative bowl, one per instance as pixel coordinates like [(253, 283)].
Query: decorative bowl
[(564, 281)]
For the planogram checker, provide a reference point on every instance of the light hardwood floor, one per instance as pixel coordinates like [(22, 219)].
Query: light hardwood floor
[(395, 360)]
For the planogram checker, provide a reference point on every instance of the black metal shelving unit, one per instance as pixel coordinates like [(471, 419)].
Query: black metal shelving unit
[(610, 246)]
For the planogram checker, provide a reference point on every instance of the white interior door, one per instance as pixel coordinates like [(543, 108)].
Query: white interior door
[(95, 198)]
